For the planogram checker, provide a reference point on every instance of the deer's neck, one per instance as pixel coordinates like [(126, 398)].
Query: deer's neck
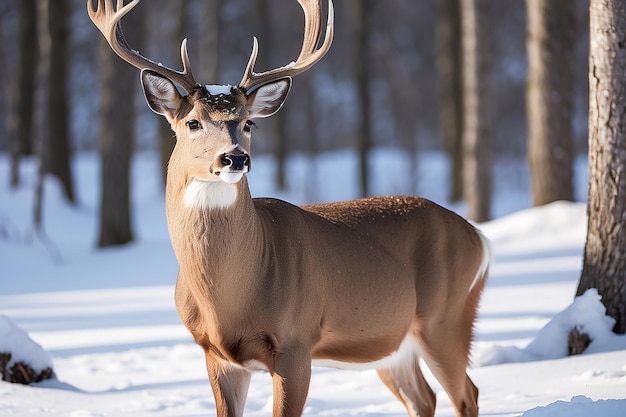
[(214, 229)]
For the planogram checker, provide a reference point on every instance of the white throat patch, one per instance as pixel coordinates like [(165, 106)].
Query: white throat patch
[(210, 194)]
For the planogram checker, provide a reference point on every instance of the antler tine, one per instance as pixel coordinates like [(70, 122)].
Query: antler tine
[(312, 26), (309, 54), (107, 19)]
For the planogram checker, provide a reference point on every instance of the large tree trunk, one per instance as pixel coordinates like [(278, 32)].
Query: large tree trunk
[(117, 96), (450, 71), (58, 155), (550, 40), (475, 17), (604, 264)]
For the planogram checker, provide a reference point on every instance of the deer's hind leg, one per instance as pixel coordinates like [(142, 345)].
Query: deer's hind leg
[(447, 359), (445, 345), (407, 383)]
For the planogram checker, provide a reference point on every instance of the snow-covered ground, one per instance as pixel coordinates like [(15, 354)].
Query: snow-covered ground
[(107, 317)]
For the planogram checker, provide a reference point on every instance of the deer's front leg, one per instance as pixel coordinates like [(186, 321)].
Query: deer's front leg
[(230, 386), (290, 378)]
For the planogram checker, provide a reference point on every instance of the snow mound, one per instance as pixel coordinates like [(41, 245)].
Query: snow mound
[(580, 406), (539, 228), (587, 314), (20, 352)]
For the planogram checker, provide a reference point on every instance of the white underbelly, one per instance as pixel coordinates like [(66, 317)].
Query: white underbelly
[(407, 352)]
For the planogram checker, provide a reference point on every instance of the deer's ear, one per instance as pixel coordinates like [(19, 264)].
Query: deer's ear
[(269, 98), (161, 94)]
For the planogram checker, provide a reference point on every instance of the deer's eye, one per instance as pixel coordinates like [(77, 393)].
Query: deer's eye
[(193, 124), (248, 126)]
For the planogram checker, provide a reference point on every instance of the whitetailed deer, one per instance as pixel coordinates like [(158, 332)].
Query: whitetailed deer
[(265, 285)]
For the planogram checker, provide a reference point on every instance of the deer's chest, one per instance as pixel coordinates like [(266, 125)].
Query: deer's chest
[(230, 334)]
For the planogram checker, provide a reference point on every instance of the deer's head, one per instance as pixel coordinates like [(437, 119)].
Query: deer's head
[(213, 123)]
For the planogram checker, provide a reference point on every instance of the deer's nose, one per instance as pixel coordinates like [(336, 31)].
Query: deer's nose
[(236, 162)]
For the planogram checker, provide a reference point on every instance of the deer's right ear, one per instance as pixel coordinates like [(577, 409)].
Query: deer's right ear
[(161, 94)]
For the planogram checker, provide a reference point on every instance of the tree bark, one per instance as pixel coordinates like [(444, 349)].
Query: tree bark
[(23, 89), (604, 264), (551, 42), (475, 20), (362, 67), (117, 96), (41, 117), (58, 151), (450, 71), (281, 146), (209, 46), (312, 145)]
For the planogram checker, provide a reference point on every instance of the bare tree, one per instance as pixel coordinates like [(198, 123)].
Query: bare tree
[(362, 65), (117, 115), (23, 89), (475, 18), (551, 42), (604, 265), (450, 73), (209, 45), (58, 152), (41, 115), (312, 144), (7, 69)]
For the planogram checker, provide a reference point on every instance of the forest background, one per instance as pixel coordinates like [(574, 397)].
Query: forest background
[(391, 78)]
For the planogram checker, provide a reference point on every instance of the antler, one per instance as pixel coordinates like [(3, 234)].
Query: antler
[(107, 18), (309, 54)]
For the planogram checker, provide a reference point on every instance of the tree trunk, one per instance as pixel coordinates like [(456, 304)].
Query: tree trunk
[(41, 117), (209, 45), (361, 70), (281, 148), (550, 40), (58, 151), (117, 96), (23, 90), (604, 265), (312, 145), (450, 71), (475, 17), (8, 70)]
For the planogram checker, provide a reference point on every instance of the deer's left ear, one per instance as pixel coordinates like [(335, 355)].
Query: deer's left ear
[(268, 99)]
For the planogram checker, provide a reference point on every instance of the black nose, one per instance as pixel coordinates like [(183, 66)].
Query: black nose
[(236, 162)]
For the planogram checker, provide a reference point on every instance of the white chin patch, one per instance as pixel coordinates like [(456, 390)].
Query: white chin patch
[(210, 194), (231, 177)]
